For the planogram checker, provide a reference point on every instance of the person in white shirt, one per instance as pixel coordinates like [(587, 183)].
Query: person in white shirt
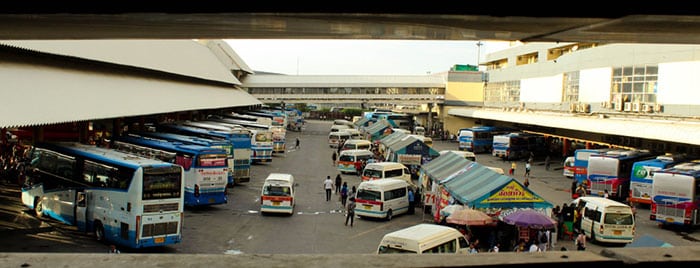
[(328, 186), (534, 247)]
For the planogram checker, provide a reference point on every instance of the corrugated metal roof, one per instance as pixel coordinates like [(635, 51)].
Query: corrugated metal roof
[(183, 57), (283, 81), (666, 130), (34, 94)]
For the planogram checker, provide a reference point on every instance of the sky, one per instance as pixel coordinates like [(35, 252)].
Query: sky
[(359, 57)]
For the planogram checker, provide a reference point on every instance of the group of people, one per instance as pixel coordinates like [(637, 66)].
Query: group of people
[(345, 194)]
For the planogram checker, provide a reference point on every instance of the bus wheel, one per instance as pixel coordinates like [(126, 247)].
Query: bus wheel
[(99, 232), (389, 215), (38, 207)]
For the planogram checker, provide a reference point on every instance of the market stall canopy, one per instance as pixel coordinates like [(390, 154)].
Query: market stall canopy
[(408, 147), (378, 130), (470, 217), (480, 187), (442, 166)]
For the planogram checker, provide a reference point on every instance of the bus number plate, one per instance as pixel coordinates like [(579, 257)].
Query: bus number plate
[(212, 200), (669, 219), (275, 203), (368, 207), (159, 240), (617, 232)]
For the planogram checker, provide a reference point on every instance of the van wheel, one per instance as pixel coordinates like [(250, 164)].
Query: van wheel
[(389, 215), (38, 207), (99, 232)]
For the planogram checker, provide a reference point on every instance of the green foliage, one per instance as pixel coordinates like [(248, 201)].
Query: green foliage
[(352, 111)]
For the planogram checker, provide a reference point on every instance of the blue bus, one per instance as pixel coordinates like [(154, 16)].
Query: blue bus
[(212, 143), (641, 179), (581, 162), (123, 199), (277, 132), (206, 170), (518, 145), (239, 138), (478, 139)]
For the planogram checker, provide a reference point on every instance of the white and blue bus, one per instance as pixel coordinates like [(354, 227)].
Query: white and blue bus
[(206, 170), (240, 139), (260, 142), (220, 144), (478, 139), (277, 132), (124, 199), (517, 145), (676, 195)]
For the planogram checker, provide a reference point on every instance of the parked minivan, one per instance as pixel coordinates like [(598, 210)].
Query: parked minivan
[(387, 170), (336, 128), (356, 144), (334, 138), (605, 220), (277, 194), (383, 198), (424, 238), (569, 167), (348, 158)]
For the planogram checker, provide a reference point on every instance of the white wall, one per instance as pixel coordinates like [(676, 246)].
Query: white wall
[(541, 89), (594, 85), (679, 83)]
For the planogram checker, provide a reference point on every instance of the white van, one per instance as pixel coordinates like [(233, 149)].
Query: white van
[(336, 128), (354, 133), (343, 122), (334, 138), (382, 198), (569, 167), (357, 144), (387, 170), (348, 158), (424, 238), (277, 194), (418, 130), (605, 220)]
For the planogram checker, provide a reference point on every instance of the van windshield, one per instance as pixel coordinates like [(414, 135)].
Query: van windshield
[(372, 173), (346, 158), (276, 190), (369, 195)]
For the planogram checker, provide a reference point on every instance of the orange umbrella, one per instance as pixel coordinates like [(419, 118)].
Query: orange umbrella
[(469, 217)]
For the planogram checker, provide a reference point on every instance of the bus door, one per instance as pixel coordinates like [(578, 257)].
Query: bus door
[(81, 210)]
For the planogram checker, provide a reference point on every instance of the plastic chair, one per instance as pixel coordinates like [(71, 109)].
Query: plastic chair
[(568, 230)]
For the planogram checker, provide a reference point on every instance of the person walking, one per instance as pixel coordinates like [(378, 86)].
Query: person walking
[(513, 165), (296, 146), (338, 183), (334, 157), (328, 186), (344, 194), (527, 169), (546, 162), (350, 216), (411, 202)]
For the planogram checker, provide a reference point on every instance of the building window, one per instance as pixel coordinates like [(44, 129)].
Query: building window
[(508, 91), (570, 87), (636, 84)]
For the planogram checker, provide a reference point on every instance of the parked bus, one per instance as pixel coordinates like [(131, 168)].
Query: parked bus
[(124, 199), (260, 139), (279, 132), (518, 145), (611, 171), (642, 176), (219, 144), (206, 170), (676, 195), (581, 163), (240, 139), (605, 220), (397, 120), (478, 139)]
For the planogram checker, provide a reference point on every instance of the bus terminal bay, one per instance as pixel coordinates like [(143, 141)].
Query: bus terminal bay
[(238, 228)]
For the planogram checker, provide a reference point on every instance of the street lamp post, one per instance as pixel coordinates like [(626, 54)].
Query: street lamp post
[(478, 53)]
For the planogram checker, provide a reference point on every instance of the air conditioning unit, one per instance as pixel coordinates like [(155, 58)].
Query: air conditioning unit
[(585, 107), (618, 105), (658, 108), (627, 107), (636, 107), (647, 108), (572, 107)]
